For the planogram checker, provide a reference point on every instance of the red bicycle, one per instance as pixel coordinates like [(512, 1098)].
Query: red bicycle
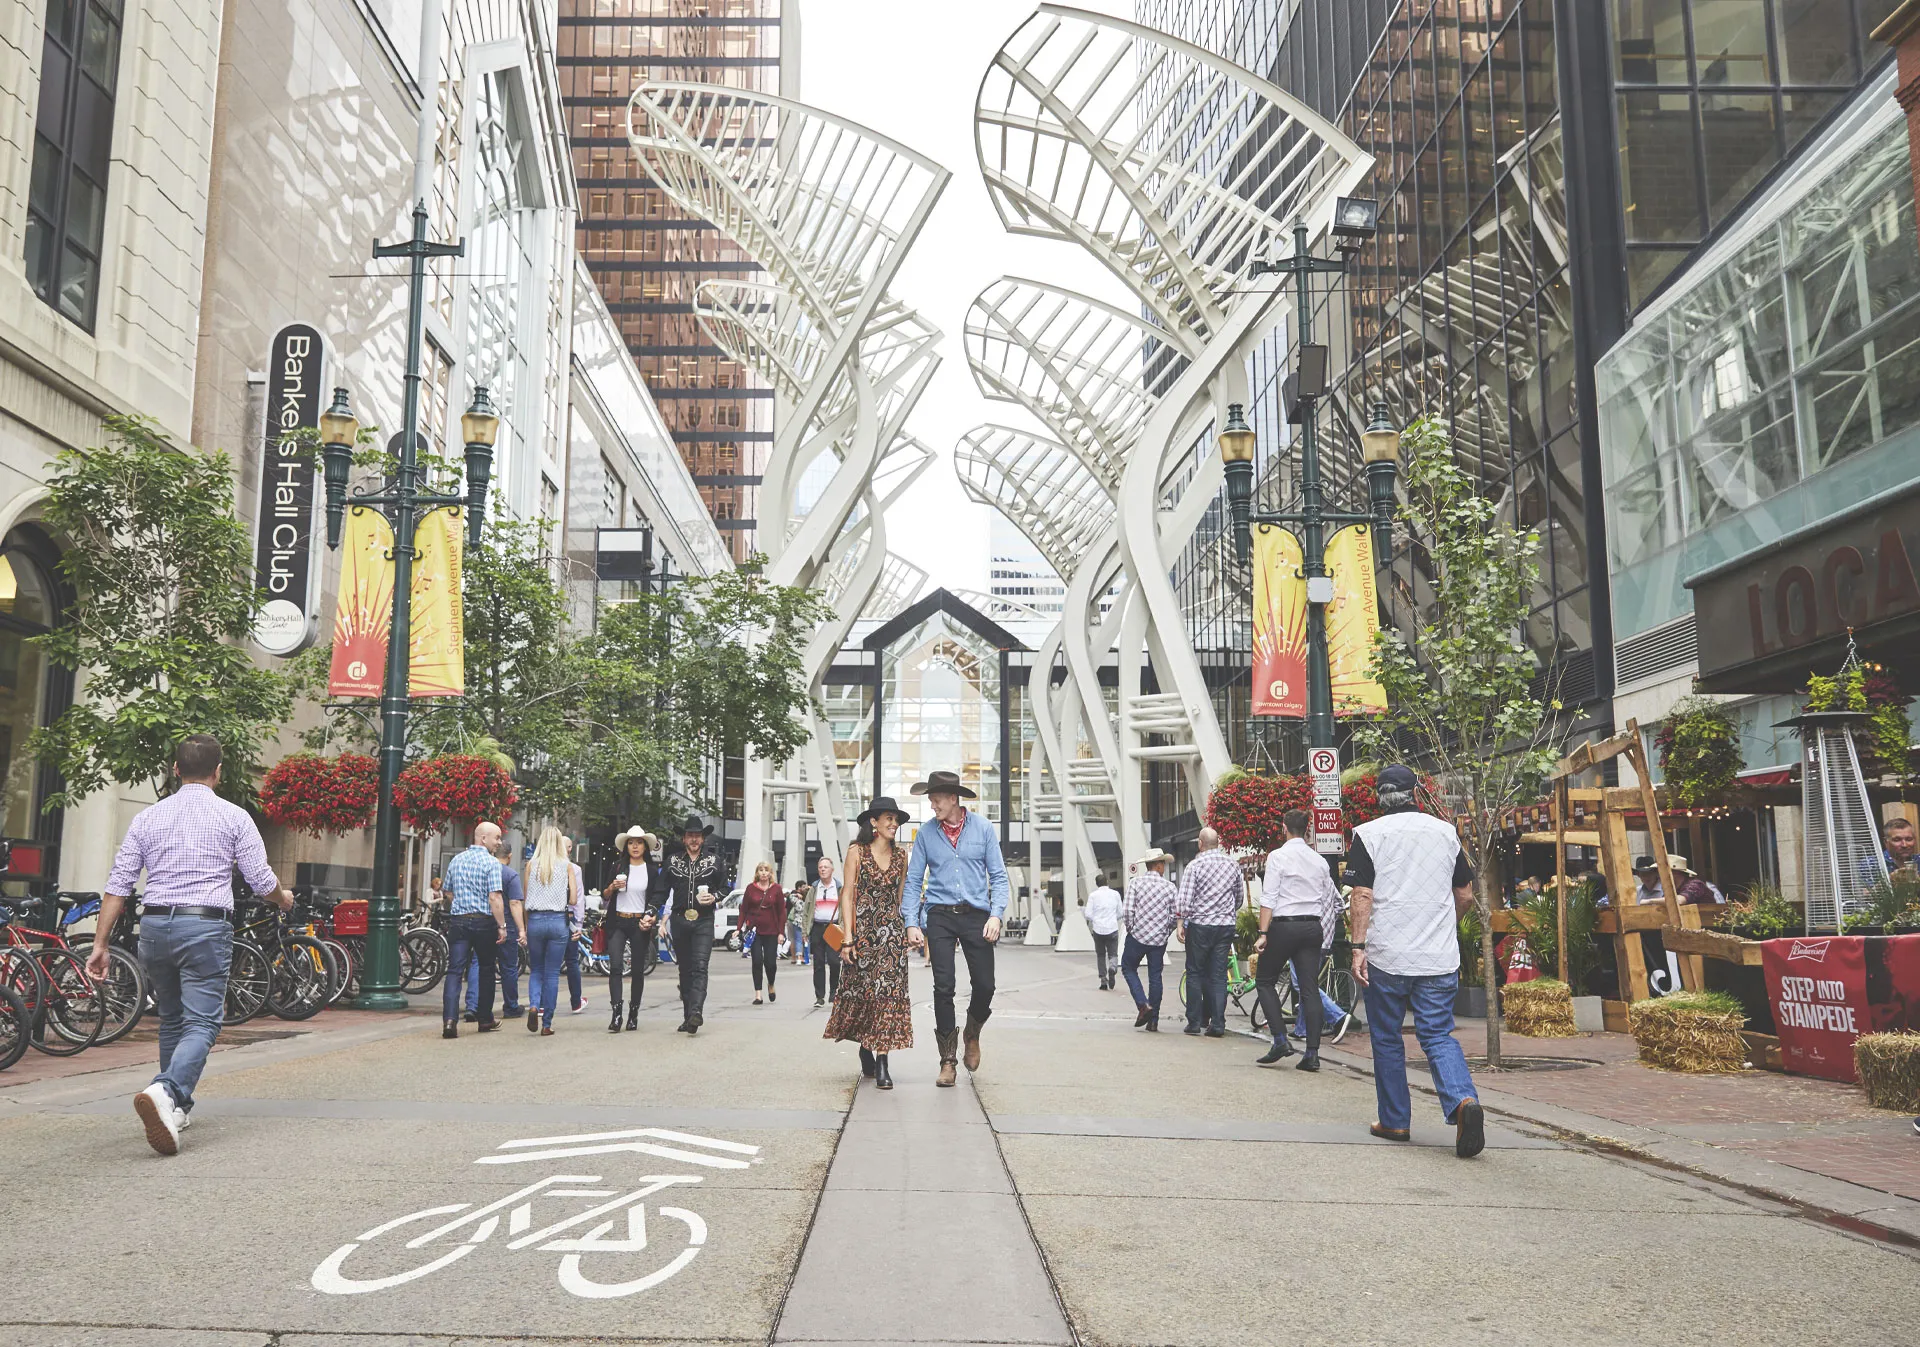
[(66, 1010)]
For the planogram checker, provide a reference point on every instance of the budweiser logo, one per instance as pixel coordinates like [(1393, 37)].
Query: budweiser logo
[(1809, 949)]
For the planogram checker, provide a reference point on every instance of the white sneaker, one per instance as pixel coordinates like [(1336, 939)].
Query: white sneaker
[(157, 1112), (580, 1008), (182, 1120)]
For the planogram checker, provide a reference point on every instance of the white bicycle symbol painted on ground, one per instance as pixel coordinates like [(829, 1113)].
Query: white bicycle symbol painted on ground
[(575, 1236)]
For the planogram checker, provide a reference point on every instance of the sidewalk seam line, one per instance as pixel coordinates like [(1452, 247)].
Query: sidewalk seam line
[(1026, 1221), (806, 1236)]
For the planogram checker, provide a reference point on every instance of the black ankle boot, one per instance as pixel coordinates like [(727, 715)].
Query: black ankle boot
[(882, 1078), (613, 1025), (633, 1018), (867, 1067)]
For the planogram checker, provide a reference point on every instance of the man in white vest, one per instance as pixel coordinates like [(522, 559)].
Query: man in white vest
[(1411, 881)]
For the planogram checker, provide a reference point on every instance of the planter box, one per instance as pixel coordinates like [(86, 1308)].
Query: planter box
[(1470, 1003), (1589, 1014)]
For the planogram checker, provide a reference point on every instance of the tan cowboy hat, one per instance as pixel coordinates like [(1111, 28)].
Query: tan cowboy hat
[(620, 840), (1151, 858), (1678, 863)]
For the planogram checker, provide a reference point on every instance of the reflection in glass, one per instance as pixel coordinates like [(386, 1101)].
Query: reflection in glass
[(1658, 167), (1650, 41), (1742, 144), (1730, 42)]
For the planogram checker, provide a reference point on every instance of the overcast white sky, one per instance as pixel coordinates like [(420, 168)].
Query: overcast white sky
[(910, 69)]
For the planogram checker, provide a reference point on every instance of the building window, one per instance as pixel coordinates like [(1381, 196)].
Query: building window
[(67, 196), (31, 691)]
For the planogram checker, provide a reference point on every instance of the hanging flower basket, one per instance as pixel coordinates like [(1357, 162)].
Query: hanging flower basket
[(1699, 745), (456, 788), (1246, 810), (316, 795)]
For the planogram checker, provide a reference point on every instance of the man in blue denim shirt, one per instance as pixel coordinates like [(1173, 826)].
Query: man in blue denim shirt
[(955, 894)]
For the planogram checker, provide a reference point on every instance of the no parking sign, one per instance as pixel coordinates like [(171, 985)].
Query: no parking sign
[(1323, 765)]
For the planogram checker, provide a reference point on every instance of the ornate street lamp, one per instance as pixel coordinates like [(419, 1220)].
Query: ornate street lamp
[(1354, 220), (402, 503)]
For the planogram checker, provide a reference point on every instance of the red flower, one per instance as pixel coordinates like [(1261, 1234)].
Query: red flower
[(316, 795), (1247, 812), (455, 787)]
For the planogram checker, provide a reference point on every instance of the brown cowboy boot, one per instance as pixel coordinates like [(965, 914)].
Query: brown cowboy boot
[(972, 1039), (948, 1042)]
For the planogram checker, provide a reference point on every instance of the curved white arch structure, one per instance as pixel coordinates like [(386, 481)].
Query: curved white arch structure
[(1176, 169), (828, 209)]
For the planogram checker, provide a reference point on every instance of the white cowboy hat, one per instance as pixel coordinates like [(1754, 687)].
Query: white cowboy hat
[(1152, 857), (620, 840)]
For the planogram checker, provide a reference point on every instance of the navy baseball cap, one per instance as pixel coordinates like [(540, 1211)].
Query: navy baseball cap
[(1397, 778)]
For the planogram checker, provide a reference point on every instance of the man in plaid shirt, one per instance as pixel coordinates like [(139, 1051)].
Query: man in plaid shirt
[(189, 845), (1211, 893), (1149, 921)]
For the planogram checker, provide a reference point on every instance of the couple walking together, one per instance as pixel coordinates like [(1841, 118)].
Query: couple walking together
[(948, 895)]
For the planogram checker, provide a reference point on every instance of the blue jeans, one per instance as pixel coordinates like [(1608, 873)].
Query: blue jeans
[(1207, 951), (187, 960), (547, 940), (1330, 1012), (1389, 997), (796, 942), (1130, 957), (473, 945)]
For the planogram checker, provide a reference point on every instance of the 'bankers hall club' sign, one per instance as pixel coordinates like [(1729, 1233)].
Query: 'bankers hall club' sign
[(1766, 620), (283, 546)]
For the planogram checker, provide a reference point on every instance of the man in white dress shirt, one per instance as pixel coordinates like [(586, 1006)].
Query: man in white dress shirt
[(1298, 908), (1103, 919)]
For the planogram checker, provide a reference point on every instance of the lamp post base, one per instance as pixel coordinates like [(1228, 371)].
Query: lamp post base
[(381, 1001)]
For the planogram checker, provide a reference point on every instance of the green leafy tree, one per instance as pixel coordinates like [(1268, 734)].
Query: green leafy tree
[(163, 576), (1460, 693)]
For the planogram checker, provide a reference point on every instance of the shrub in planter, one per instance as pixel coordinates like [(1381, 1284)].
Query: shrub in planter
[(1542, 1008), (1889, 1069), (457, 788), (1583, 925), (316, 795), (1764, 915), (1699, 747), (1697, 1032)]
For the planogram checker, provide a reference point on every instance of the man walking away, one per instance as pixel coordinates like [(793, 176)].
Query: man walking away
[(514, 938), (1411, 881), (692, 881), (1211, 892), (189, 844), (1149, 919), (826, 911), (576, 923), (476, 915), (955, 894), (1298, 907), (1103, 919)]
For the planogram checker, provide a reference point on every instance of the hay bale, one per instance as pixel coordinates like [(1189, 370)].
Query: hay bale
[(1542, 1008), (1889, 1070), (1697, 1032)]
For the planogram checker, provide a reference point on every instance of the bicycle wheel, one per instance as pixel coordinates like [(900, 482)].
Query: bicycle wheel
[(301, 984), (340, 970), (1183, 991), (353, 951), (1345, 991), (1257, 1016), (21, 975), (423, 960), (75, 1010), (249, 979), (124, 990), (16, 1029)]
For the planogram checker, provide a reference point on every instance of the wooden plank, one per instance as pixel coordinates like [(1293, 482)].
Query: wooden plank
[(1560, 807), (1692, 972), (1764, 1051), (1613, 1014), (1644, 916), (1588, 794), (1712, 945), (1573, 838)]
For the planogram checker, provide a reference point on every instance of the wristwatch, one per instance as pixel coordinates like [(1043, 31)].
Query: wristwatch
[(1356, 944)]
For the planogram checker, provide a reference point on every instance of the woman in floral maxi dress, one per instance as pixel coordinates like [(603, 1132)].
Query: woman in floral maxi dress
[(873, 1008)]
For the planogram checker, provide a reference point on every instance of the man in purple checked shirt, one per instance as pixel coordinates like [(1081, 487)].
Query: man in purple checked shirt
[(189, 844)]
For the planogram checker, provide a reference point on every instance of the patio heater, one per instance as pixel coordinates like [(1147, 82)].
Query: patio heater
[(1840, 856)]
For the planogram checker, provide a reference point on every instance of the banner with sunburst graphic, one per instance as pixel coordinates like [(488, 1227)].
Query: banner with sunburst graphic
[(1279, 624), (363, 611), (1352, 620)]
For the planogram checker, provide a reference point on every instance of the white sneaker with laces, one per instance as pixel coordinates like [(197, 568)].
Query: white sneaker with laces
[(182, 1120), (157, 1111)]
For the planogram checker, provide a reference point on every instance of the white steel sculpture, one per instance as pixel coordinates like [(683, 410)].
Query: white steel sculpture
[(828, 209), (1176, 169)]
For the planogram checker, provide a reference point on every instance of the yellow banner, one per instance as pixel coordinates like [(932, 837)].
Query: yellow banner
[(1279, 624), (436, 654), (363, 612), (1352, 620)]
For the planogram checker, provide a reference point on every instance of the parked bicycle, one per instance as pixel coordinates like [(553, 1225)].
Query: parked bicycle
[(66, 1010)]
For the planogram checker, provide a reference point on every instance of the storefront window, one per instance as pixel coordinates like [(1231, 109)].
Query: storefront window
[(27, 609)]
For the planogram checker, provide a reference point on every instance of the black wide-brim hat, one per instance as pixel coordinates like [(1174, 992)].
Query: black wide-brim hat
[(882, 804), (695, 825), (943, 783)]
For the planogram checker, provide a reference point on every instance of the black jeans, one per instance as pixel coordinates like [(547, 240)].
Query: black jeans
[(692, 948), (471, 940), (1207, 949), (766, 957), (626, 939), (965, 927), (1294, 940), (1106, 956), (826, 963)]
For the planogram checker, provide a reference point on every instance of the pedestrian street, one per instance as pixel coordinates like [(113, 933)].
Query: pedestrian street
[(1089, 1184)]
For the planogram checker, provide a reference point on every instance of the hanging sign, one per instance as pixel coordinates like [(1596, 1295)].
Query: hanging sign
[(1279, 624), (1353, 619), (363, 613), (436, 654), (283, 533)]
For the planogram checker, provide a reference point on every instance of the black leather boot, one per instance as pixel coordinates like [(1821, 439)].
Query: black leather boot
[(613, 1025), (882, 1078), (866, 1064), (1281, 1048), (633, 1017)]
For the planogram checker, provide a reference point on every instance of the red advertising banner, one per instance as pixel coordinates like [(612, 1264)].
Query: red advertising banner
[(1817, 988)]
